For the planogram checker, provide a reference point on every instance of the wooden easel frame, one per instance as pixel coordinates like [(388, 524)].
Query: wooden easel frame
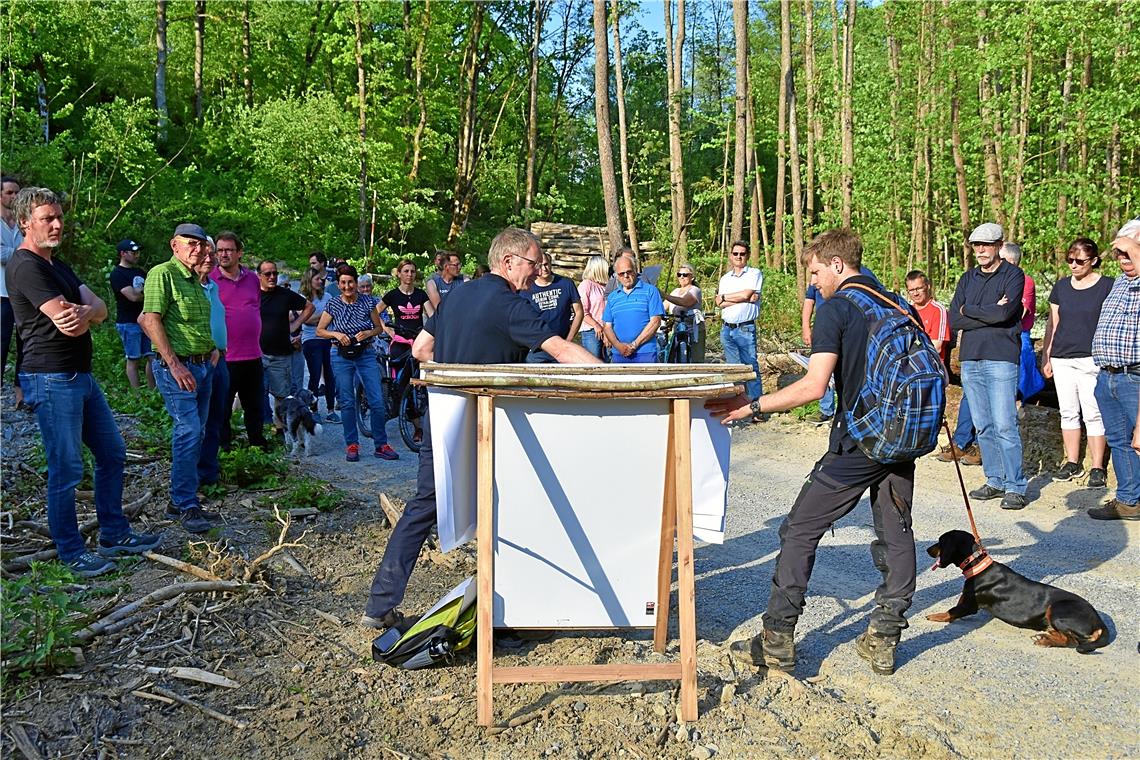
[(676, 521)]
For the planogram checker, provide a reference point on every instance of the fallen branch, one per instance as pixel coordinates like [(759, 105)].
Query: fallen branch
[(186, 674), (280, 546), (24, 742), (103, 625), (235, 722), (390, 510), (185, 567)]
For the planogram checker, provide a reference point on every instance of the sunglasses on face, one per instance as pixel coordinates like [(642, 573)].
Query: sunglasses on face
[(739, 253), (626, 273), (684, 274), (1078, 262), (270, 273)]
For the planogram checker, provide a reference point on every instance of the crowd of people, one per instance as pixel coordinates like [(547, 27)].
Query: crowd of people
[(213, 335)]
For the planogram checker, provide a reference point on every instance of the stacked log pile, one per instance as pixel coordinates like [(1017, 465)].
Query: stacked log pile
[(572, 245)]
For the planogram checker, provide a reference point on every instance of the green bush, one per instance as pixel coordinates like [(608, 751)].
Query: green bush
[(311, 493), (252, 468), (40, 617)]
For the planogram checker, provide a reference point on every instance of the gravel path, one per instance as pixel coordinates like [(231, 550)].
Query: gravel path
[(978, 685)]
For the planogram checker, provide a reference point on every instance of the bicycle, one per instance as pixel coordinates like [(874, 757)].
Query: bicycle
[(682, 335), (402, 399)]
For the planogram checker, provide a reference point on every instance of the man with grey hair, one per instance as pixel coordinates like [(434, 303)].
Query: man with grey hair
[(987, 311), (1116, 351), (484, 322), (54, 312), (632, 315)]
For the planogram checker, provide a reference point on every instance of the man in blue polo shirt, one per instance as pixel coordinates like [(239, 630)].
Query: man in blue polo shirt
[(632, 316)]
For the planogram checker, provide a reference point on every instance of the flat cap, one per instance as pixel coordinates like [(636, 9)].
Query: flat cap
[(195, 231), (987, 233)]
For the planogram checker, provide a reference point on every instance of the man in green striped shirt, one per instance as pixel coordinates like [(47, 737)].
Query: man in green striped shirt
[(176, 318)]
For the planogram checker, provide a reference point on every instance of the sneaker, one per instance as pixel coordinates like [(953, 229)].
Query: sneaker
[(1069, 471), (174, 513), (1098, 478), (392, 619), (972, 455), (131, 543), (986, 492), (945, 454), (1013, 501), (1116, 510), (352, 452), (332, 417), (817, 418), (194, 521), (386, 452), (90, 565), (878, 651)]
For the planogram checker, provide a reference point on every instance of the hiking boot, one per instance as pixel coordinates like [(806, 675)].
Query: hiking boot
[(986, 492), (767, 649), (194, 521), (817, 418), (878, 651), (131, 543), (1013, 501), (1069, 471), (90, 565), (385, 451), (971, 455), (352, 452), (1098, 478), (391, 619), (945, 454), (1116, 510)]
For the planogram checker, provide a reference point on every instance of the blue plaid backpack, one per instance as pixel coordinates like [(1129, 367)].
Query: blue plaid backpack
[(898, 413)]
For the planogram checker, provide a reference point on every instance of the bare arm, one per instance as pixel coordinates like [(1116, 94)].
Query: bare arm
[(738, 296), (324, 332), (433, 294), (576, 322), (805, 320), (686, 300), (131, 293), (151, 323), (302, 318), (563, 351), (1050, 330), (810, 387)]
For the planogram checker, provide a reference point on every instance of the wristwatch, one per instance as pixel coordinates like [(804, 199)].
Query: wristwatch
[(755, 406)]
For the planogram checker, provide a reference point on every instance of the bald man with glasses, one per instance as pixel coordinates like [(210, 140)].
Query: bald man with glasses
[(632, 315)]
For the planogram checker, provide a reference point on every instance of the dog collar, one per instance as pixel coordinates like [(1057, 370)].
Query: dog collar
[(976, 563)]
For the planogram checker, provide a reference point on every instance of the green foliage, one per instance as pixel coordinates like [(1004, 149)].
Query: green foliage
[(252, 468), (310, 493), (40, 617)]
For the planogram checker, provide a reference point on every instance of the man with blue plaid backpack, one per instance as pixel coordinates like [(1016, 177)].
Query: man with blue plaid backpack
[(890, 388)]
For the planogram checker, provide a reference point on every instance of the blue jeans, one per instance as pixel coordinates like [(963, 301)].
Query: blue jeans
[(1118, 395), (318, 357), (964, 434), (991, 388), (347, 373), (592, 343), (740, 348), (827, 403), (72, 411), (190, 411), (136, 344), (208, 470)]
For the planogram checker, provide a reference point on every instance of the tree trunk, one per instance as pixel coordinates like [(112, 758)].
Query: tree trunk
[(740, 168), (421, 96), (847, 117), (361, 95), (757, 228), (602, 119), (160, 69), (199, 54), (893, 64), (810, 114), (314, 42), (776, 261), (994, 185), (674, 45), (1016, 220), (465, 136), (1083, 133), (623, 143), (538, 15), (1063, 155), (920, 170), (956, 150), (1112, 157), (246, 56), (797, 199), (42, 103)]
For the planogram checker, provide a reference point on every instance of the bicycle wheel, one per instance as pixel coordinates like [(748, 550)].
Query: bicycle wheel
[(363, 414), (413, 405), (683, 351)]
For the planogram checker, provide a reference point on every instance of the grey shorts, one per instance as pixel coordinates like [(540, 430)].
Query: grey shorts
[(278, 374)]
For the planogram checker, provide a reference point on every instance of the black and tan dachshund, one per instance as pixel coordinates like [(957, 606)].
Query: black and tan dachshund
[(1067, 619)]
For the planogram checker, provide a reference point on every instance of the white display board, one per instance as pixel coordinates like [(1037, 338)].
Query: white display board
[(579, 486)]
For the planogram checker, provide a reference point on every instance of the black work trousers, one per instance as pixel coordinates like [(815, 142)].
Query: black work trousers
[(832, 490), (412, 529), (246, 383)]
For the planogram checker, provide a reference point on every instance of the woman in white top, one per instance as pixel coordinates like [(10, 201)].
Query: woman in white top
[(592, 291), (684, 302)]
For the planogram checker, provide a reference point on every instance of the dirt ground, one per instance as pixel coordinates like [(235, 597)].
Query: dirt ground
[(307, 688)]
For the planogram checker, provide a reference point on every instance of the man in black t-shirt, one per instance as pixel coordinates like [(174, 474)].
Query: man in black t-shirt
[(484, 322), (839, 479), (127, 281), (54, 312), (276, 329)]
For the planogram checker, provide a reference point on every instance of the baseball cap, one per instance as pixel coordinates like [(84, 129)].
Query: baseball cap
[(127, 245), (987, 233), (192, 231)]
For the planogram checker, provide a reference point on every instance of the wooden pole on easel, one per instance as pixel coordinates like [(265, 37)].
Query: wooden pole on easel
[(485, 558), (680, 467)]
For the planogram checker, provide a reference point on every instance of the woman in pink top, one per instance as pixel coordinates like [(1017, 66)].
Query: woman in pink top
[(592, 291)]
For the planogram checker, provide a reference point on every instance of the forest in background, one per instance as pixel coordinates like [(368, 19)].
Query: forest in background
[(377, 129)]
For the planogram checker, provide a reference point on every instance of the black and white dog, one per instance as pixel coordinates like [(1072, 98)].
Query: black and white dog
[(295, 415)]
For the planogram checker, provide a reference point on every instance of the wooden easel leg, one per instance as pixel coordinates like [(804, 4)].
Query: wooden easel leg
[(485, 532), (686, 580), (665, 551)]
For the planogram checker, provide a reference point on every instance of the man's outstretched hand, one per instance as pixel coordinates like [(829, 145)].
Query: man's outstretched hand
[(730, 409)]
